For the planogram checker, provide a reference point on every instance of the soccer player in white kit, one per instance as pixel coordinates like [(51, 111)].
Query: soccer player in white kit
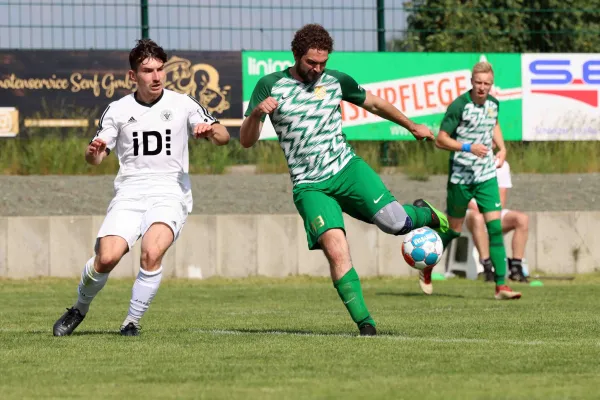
[(149, 132)]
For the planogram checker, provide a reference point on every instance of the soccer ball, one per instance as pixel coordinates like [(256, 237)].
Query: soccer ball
[(422, 248)]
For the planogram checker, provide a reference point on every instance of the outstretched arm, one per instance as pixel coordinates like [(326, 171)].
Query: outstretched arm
[(215, 132), (384, 109)]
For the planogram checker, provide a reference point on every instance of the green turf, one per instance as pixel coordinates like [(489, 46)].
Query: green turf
[(292, 339)]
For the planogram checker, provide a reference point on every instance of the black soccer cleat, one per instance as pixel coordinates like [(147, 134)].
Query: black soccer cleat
[(368, 330), (68, 322), (488, 271), (515, 268), (439, 221), (130, 329)]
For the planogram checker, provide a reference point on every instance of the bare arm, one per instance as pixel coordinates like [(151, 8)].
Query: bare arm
[(503, 196), (216, 133), (221, 136), (445, 141), (384, 109), (250, 130), (499, 141), (95, 152), (252, 125)]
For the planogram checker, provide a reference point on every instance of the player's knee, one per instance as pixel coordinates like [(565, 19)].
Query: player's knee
[(151, 257), (478, 222), (393, 220), (393, 228), (106, 261), (523, 222), (494, 228)]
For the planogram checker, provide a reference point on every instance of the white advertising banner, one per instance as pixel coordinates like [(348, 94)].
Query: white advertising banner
[(561, 96)]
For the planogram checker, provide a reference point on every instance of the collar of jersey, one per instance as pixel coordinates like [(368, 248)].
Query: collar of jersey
[(148, 104)]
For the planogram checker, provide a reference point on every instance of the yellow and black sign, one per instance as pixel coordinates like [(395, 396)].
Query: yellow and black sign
[(9, 122), (54, 85)]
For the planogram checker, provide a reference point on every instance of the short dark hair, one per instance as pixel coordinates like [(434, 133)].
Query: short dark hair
[(311, 36), (145, 48)]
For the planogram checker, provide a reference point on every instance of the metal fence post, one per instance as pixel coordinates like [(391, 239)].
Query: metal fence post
[(145, 27), (384, 149)]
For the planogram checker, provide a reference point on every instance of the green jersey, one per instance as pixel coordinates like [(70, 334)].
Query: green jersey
[(308, 121), (468, 122)]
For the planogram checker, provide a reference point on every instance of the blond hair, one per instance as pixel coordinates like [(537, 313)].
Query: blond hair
[(482, 67)]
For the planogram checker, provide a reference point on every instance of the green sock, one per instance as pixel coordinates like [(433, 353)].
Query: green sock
[(421, 216), (497, 251), (348, 287), (448, 236)]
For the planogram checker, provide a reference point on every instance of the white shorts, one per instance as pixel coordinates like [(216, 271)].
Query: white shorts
[(130, 218)]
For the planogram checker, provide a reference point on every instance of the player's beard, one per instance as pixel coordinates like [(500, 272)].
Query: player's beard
[(307, 76)]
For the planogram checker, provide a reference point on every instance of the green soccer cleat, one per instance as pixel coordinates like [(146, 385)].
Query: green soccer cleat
[(439, 222)]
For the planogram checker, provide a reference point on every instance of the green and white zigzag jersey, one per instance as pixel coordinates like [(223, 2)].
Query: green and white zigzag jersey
[(308, 121), (468, 122)]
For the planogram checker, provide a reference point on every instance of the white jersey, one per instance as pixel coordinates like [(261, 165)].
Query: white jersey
[(151, 142), (503, 176)]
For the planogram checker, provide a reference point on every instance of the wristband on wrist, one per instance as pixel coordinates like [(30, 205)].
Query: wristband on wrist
[(466, 147)]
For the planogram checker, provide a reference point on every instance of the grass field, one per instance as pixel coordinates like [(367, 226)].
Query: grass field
[(292, 339), (51, 154)]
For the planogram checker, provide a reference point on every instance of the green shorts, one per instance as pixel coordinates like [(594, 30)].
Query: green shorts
[(356, 190), (486, 194)]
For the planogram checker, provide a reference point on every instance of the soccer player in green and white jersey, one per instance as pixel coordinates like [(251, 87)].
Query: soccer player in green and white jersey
[(468, 130), (328, 178)]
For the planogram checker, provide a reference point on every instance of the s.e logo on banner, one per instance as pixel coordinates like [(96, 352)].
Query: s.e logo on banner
[(561, 96)]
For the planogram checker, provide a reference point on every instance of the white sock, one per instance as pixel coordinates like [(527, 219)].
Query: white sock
[(89, 286), (144, 289)]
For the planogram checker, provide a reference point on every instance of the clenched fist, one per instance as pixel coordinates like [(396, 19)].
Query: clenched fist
[(267, 106)]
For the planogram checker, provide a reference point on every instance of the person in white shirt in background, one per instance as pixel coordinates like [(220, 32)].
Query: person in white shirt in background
[(511, 221)]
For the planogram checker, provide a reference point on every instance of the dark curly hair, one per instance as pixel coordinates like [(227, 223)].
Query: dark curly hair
[(145, 48), (311, 36)]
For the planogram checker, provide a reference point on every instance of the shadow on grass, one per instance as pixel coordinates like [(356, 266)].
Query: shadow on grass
[(78, 333), (266, 331), (415, 294), (351, 333)]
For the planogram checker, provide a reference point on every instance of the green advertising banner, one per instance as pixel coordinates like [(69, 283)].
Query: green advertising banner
[(421, 85)]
